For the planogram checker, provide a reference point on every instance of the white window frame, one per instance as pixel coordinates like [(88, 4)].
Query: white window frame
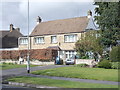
[(39, 40), (55, 38), (70, 38), (69, 54), (23, 41)]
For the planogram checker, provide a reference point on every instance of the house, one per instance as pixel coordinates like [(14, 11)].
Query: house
[(9, 38), (58, 34)]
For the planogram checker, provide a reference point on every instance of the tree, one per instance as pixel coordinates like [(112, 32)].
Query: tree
[(89, 43), (108, 16), (115, 54), (108, 19), (110, 37)]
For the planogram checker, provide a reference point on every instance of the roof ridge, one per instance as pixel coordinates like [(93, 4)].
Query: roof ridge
[(64, 19)]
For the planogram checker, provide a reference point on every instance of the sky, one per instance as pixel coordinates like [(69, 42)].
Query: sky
[(16, 13)]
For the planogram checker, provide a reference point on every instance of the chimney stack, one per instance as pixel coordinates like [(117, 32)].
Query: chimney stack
[(38, 20), (89, 14), (11, 27), (18, 29)]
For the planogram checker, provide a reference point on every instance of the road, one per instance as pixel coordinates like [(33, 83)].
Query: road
[(10, 87), (21, 71)]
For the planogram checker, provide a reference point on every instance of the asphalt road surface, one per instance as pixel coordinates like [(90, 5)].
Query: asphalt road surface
[(21, 71), (11, 87)]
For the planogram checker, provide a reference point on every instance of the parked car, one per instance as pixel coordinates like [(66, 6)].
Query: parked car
[(70, 61)]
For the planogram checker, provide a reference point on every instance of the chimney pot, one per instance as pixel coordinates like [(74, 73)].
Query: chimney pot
[(38, 20), (89, 14), (11, 27), (18, 29)]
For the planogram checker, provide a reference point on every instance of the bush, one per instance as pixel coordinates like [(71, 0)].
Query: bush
[(4, 63), (115, 65), (82, 65), (84, 57), (115, 54), (104, 64), (11, 63)]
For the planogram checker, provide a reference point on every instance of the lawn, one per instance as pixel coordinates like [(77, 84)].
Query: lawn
[(58, 83), (80, 72), (5, 66)]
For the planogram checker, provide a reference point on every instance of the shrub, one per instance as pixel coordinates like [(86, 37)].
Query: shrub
[(84, 57), (115, 65), (115, 54), (4, 63), (104, 64), (82, 65), (11, 63)]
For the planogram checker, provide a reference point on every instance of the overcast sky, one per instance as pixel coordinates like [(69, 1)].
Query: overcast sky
[(17, 12)]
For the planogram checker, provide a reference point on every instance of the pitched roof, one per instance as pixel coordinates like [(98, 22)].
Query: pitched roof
[(91, 25), (3, 33), (8, 33), (71, 25), (9, 39), (14, 33)]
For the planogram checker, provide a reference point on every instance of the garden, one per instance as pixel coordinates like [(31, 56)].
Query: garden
[(5, 66), (59, 83), (82, 73)]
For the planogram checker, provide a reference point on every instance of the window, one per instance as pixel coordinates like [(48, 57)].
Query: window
[(23, 41), (70, 38), (70, 54), (39, 40), (53, 39)]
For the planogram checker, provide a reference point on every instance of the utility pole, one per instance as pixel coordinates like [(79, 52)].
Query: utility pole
[(28, 52)]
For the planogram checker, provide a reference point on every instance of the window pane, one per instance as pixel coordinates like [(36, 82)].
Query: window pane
[(23, 41), (70, 38), (53, 39), (39, 40)]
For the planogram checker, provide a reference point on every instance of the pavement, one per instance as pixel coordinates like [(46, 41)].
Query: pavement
[(73, 79), (19, 71), (23, 72)]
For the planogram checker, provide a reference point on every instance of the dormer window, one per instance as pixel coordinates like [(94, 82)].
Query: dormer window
[(53, 39)]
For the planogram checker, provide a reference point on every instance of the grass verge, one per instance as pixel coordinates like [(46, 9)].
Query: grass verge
[(12, 66), (80, 72), (59, 83)]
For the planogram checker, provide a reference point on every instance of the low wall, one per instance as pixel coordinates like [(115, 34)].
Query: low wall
[(86, 61), (33, 62)]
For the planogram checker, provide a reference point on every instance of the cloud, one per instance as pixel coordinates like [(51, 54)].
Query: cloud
[(17, 12), (11, 14)]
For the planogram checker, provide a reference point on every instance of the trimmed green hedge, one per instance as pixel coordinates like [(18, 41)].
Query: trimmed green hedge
[(105, 64)]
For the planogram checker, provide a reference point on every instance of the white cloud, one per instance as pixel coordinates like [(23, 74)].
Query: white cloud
[(17, 13), (48, 0)]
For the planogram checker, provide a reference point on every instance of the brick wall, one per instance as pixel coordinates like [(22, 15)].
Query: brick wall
[(37, 54)]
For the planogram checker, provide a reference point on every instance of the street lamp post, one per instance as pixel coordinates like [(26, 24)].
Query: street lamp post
[(28, 55)]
